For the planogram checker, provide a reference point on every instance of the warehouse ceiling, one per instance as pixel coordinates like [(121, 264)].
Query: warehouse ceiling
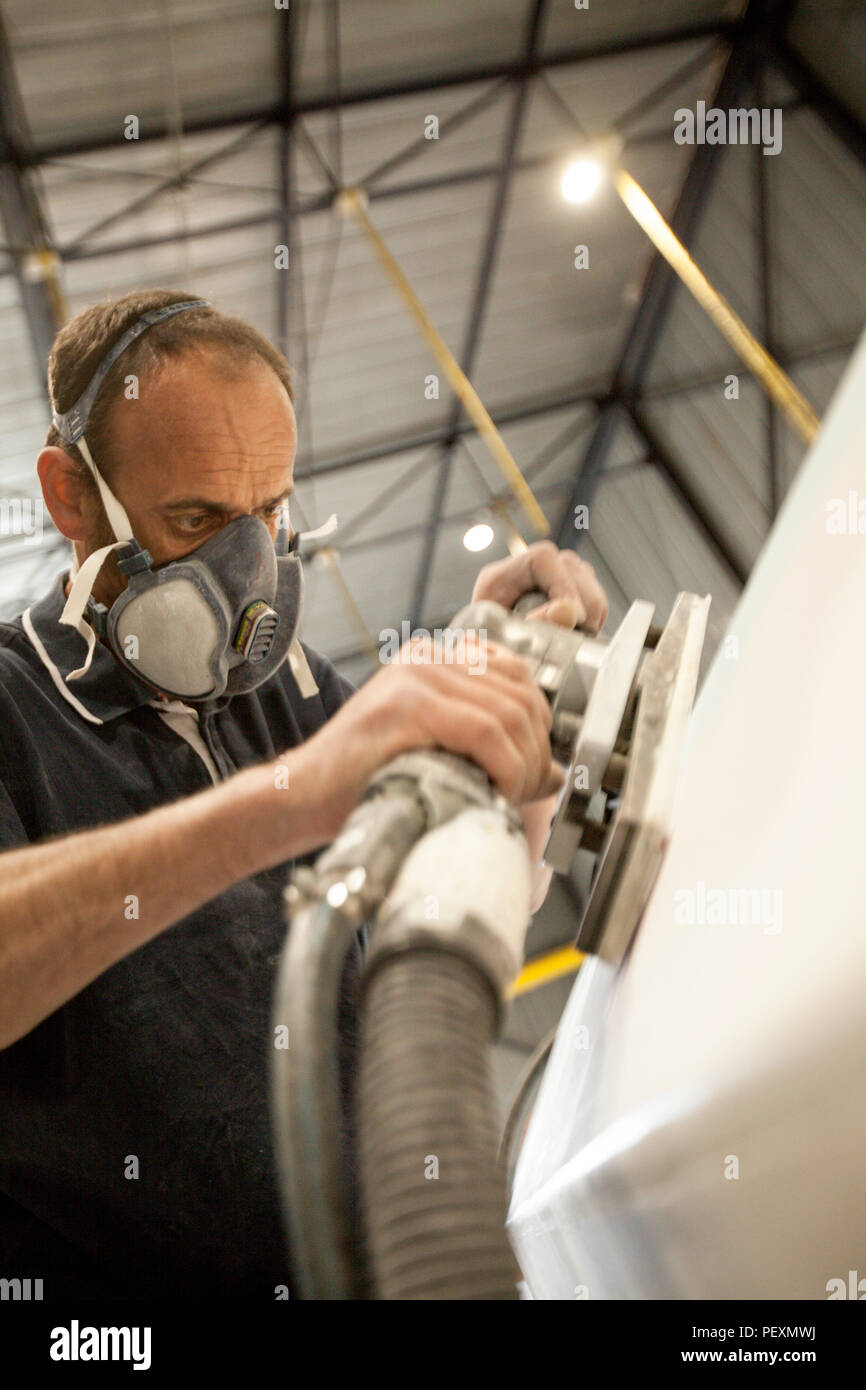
[(608, 383)]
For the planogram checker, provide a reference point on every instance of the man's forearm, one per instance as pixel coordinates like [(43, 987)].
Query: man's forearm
[(73, 906)]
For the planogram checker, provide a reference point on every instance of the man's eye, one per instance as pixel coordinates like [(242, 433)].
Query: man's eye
[(192, 523)]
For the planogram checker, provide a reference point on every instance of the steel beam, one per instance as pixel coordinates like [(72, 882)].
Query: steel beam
[(844, 124), (321, 202), (78, 250), (356, 96), (424, 439), (593, 461), (830, 347), (420, 529), (420, 145), (549, 405), (166, 185)]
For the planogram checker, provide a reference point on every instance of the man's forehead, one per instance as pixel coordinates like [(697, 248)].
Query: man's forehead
[(204, 396), (189, 482), (202, 431)]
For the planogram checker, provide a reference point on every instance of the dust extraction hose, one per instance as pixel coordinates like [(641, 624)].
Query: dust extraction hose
[(434, 1197)]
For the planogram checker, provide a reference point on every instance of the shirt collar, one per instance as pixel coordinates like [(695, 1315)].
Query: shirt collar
[(106, 690)]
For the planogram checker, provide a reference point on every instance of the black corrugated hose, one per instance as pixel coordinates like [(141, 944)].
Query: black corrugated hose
[(434, 1196)]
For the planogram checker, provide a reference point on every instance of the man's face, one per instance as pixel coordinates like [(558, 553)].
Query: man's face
[(198, 449)]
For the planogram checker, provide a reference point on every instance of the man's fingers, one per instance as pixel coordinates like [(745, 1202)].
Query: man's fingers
[(499, 718), (482, 659), (575, 596), (568, 612), (522, 711), (508, 666), (472, 729), (591, 593), (506, 580)]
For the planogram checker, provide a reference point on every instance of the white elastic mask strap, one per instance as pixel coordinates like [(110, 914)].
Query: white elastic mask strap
[(117, 518), (300, 669), (85, 577), (324, 530), (72, 615)]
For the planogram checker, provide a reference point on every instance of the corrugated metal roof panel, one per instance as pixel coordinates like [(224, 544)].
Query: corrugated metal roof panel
[(602, 92), (371, 362), (818, 381), (401, 487), (719, 445), (384, 41), (652, 547), (545, 449), (571, 321), (373, 133), (377, 578), (240, 181), (84, 68), (833, 39), (725, 249), (818, 201), (597, 24)]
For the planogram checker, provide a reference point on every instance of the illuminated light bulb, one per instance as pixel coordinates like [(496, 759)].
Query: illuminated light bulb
[(478, 537), (580, 180)]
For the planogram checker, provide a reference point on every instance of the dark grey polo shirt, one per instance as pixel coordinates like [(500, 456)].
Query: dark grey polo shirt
[(163, 1059)]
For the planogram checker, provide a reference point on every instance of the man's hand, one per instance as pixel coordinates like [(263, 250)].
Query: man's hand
[(576, 600), (428, 697), (494, 714), (576, 597)]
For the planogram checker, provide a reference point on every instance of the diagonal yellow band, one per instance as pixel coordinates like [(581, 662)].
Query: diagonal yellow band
[(542, 969)]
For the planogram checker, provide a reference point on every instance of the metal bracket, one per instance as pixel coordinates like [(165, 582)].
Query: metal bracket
[(598, 733), (632, 852)]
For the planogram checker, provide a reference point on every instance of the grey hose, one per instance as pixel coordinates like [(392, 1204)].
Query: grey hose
[(527, 1083), (311, 1105), (434, 1195)]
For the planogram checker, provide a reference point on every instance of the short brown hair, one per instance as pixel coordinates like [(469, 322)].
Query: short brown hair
[(82, 343)]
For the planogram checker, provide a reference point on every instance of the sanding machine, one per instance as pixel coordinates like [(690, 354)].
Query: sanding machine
[(412, 923)]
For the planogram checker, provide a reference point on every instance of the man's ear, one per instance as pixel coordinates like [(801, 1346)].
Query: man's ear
[(70, 499)]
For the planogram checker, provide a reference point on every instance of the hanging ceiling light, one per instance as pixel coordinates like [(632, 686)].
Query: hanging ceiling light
[(479, 536), (581, 180)]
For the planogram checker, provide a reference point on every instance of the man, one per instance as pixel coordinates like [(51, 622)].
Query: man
[(148, 824)]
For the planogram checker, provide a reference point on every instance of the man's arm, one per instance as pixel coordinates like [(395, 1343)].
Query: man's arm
[(64, 903)]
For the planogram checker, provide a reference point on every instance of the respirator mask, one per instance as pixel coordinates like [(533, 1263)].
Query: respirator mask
[(219, 620)]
